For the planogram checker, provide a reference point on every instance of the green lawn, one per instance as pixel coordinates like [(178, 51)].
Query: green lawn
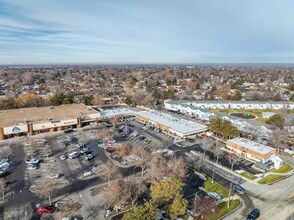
[(215, 187), (262, 120), (248, 175), (222, 209), (270, 179), (283, 169)]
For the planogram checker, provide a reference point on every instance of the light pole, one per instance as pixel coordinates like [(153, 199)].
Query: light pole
[(229, 198)]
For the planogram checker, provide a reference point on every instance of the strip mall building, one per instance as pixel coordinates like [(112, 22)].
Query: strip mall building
[(30, 121)]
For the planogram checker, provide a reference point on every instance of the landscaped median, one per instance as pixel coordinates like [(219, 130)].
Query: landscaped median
[(270, 179)]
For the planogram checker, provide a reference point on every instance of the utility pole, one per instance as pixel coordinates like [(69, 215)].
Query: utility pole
[(231, 184), (112, 84)]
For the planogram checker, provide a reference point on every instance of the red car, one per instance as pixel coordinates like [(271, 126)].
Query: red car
[(110, 149), (45, 209)]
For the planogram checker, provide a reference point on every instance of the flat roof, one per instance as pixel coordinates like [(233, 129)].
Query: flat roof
[(247, 144), (115, 112), (180, 101), (179, 125), (42, 114)]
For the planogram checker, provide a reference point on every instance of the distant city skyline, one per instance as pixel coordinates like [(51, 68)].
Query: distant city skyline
[(146, 32)]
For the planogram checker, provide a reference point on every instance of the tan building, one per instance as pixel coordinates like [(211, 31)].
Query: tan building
[(250, 149), (29, 121)]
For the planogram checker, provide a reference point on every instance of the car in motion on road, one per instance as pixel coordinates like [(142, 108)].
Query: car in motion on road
[(254, 214), (46, 209), (238, 189)]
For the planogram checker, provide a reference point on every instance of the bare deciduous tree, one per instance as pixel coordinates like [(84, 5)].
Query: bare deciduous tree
[(3, 187), (176, 168), (123, 150), (233, 159), (278, 138), (107, 170), (122, 192), (217, 151), (201, 205), (160, 167), (105, 135), (46, 189), (143, 157), (206, 144)]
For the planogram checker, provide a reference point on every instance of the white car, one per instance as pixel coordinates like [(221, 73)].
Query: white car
[(32, 166), (112, 142), (63, 157), (73, 154), (89, 156), (33, 161), (88, 173), (53, 176), (84, 151)]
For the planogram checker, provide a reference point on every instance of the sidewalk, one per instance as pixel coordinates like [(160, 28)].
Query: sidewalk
[(224, 168)]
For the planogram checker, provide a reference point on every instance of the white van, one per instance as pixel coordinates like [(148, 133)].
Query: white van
[(4, 166), (73, 154)]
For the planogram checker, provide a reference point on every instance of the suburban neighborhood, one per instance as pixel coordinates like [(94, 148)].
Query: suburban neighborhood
[(146, 110)]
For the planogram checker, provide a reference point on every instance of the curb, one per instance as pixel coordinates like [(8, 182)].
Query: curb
[(224, 216), (6, 200)]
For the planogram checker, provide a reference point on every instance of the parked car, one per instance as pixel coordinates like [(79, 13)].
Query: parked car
[(148, 142), (4, 173), (32, 166), (53, 176), (110, 149), (238, 189), (99, 141), (42, 141), (63, 157), (73, 140), (89, 156), (141, 138), (190, 140), (73, 154), (131, 125), (4, 166), (112, 142), (254, 214), (33, 161), (46, 209), (68, 131), (87, 173), (66, 143), (84, 151)]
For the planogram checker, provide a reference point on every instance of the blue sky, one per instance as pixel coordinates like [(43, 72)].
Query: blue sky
[(146, 31)]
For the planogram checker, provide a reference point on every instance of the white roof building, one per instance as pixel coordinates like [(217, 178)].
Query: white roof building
[(173, 125), (115, 112)]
